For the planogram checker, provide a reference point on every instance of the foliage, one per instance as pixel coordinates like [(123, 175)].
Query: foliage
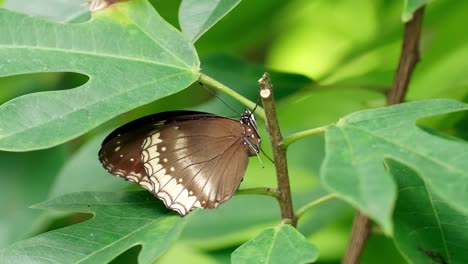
[(358, 143), (276, 245), (121, 221), (69, 76)]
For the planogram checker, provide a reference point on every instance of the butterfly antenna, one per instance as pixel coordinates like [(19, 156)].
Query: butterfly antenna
[(215, 95), (260, 160), (270, 159), (256, 104)]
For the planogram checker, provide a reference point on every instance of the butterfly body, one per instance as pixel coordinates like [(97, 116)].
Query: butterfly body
[(187, 159)]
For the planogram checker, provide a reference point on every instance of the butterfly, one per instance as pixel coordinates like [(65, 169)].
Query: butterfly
[(187, 159)]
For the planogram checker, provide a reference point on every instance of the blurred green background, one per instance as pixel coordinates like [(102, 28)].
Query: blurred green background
[(327, 58)]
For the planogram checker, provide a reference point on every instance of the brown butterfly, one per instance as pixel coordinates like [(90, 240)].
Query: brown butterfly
[(187, 159)]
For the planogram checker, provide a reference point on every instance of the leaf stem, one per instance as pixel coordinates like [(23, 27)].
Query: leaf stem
[(260, 191), (314, 203), (299, 135), (279, 152), (205, 79)]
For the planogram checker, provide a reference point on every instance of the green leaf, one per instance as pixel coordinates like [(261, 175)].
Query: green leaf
[(358, 144), (132, 56), (55, 10), (410, 6), (25, 179), (122, 220), (283, 244), (197, 16), (427, 229)]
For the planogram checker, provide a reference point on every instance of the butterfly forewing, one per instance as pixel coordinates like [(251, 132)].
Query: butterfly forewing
[(187, 159)]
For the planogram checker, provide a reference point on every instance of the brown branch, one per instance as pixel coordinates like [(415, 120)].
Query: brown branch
[(279, 152), (359, 235), (408, 59)]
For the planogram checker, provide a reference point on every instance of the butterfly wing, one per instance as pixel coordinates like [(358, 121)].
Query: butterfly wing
[(187, 159)]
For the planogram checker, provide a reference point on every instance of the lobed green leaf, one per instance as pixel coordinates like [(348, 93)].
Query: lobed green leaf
[(357, 145), (283, 244), (132, 56), (122, 220)]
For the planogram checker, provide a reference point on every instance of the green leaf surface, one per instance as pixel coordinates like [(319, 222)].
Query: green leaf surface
[(132, 56), (381, 249), (122, 220), (283, 244), (197, 16), (410, 6), (56, 10), (358, 144), (21, 186), (427, 229)]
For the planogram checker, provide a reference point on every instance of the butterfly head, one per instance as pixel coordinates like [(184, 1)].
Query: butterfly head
[(251, 137)]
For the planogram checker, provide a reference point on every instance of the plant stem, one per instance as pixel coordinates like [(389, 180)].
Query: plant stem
[(359, 235), (279, 152), (408, 59), (260, 190), (314, 203), (299, 135), (205, 79)]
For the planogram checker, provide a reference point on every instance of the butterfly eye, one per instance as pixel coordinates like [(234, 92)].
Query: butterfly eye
[(187, 159)]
